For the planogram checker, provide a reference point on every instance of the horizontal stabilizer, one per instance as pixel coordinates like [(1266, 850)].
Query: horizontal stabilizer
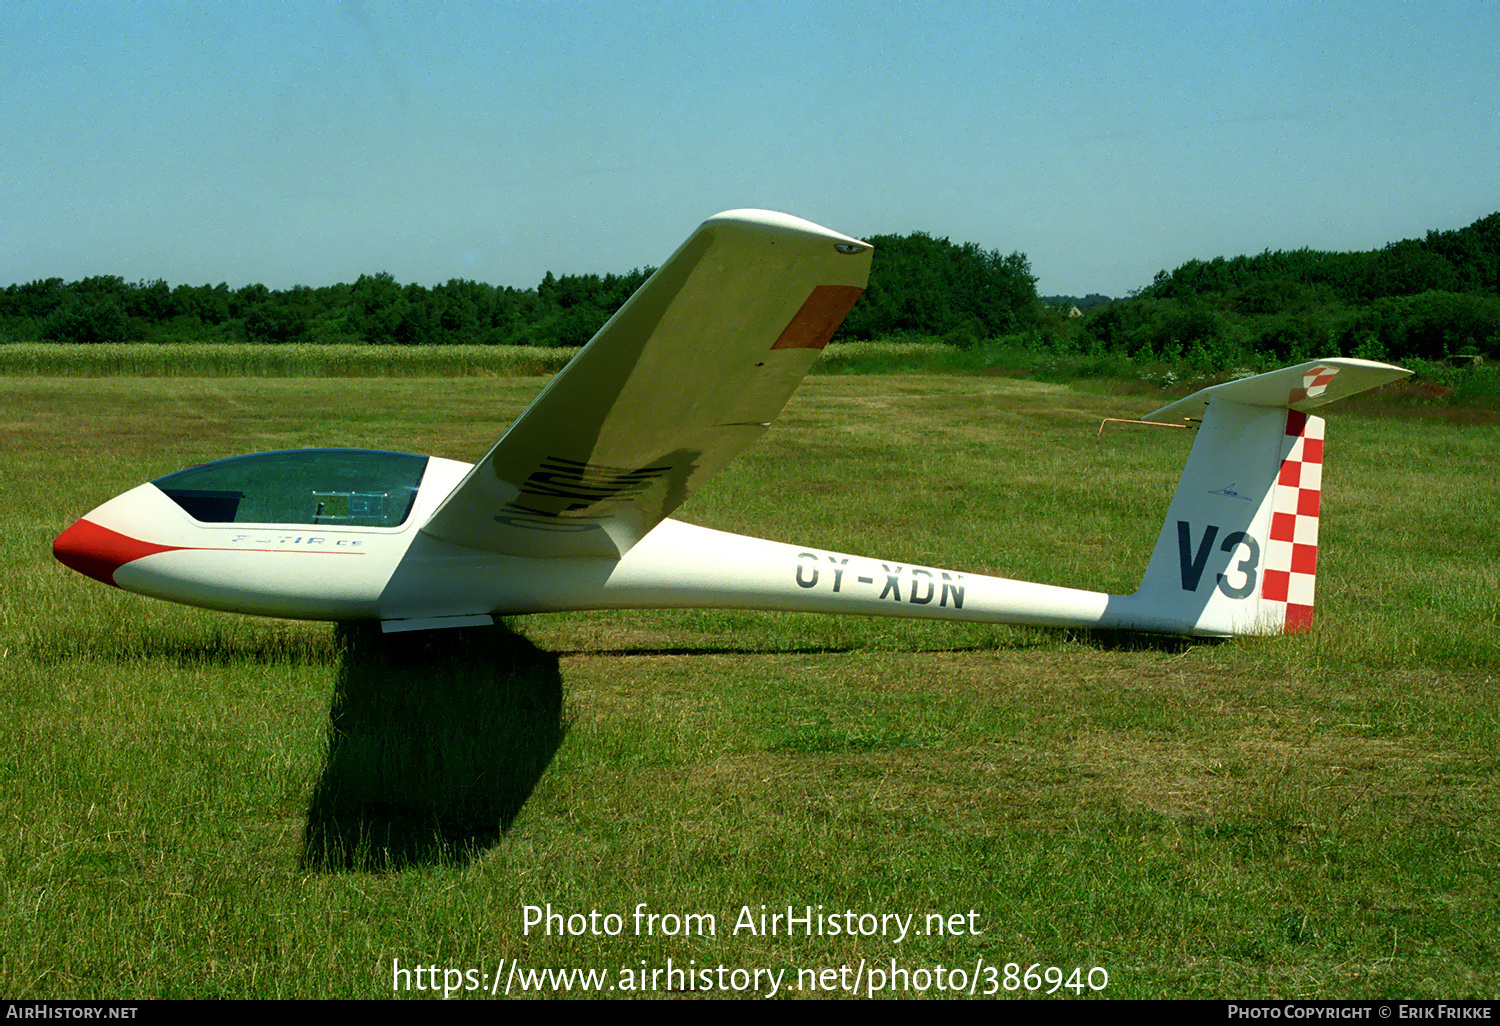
[(1303, 387)]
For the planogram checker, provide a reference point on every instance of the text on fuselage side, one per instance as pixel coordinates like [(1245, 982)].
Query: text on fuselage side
[(294, 539), (915, 585)]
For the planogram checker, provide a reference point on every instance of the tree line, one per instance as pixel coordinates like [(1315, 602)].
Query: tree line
[(919, 285), (1433, 298)]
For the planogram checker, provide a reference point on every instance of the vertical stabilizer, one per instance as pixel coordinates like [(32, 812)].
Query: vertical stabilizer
[(1238, 552)]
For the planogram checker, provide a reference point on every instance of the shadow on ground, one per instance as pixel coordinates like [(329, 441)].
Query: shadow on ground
[(436, 740), (1136, 641)]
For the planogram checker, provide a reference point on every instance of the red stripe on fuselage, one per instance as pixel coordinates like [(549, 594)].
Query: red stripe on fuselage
[(98, 552)]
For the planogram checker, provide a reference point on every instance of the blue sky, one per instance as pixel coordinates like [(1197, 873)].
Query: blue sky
[(309, 143)]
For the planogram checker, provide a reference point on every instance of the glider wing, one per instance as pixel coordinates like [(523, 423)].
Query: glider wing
[(689, 372)]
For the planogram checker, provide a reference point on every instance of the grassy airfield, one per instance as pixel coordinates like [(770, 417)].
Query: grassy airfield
[(198, 804)]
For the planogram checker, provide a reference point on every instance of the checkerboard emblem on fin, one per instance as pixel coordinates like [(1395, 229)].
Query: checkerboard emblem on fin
[(1292, 542)]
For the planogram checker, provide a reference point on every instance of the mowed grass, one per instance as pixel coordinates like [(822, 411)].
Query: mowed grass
[(198, 804)]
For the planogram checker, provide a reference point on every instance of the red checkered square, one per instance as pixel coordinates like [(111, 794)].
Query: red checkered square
[(1298, 618), (1304, 559), (1292, 547)]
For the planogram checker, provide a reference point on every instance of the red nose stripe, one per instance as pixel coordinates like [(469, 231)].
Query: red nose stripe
[(99, 552)]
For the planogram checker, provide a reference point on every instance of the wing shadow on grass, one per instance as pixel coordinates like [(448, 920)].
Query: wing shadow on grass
[(435, 742)]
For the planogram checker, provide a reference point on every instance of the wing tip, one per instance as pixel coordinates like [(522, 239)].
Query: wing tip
[(750, 217)]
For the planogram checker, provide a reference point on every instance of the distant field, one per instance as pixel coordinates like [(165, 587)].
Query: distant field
[(220, 359), (207, 805)]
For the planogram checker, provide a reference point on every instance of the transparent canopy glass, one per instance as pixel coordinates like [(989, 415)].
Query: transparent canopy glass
[(336, 487)]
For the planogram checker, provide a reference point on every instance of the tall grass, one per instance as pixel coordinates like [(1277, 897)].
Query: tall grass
[(234, 359), (1471, 386)]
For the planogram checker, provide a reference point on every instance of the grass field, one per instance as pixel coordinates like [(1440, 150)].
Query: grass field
[(199, 804)]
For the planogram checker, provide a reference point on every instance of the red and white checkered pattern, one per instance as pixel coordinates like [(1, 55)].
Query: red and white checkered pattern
[(1314, 383), (1292, 547)]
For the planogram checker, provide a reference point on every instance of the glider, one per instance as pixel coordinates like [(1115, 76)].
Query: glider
[(570, 509)]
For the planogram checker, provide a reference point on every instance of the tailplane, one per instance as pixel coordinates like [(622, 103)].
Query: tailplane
[(1238, 552)]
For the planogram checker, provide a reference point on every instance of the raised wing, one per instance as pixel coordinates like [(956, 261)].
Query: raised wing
[(690, 371)]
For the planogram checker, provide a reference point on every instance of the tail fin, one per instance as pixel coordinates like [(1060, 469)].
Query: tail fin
[(1238, 552)]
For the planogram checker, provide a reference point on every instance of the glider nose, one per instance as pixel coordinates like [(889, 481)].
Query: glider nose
[(97, 551)]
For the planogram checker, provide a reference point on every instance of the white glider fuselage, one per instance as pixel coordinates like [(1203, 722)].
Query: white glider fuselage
[(145, 542)]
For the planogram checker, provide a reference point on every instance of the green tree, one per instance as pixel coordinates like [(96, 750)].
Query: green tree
[(925, 286), (376, 307), (90, 319)]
